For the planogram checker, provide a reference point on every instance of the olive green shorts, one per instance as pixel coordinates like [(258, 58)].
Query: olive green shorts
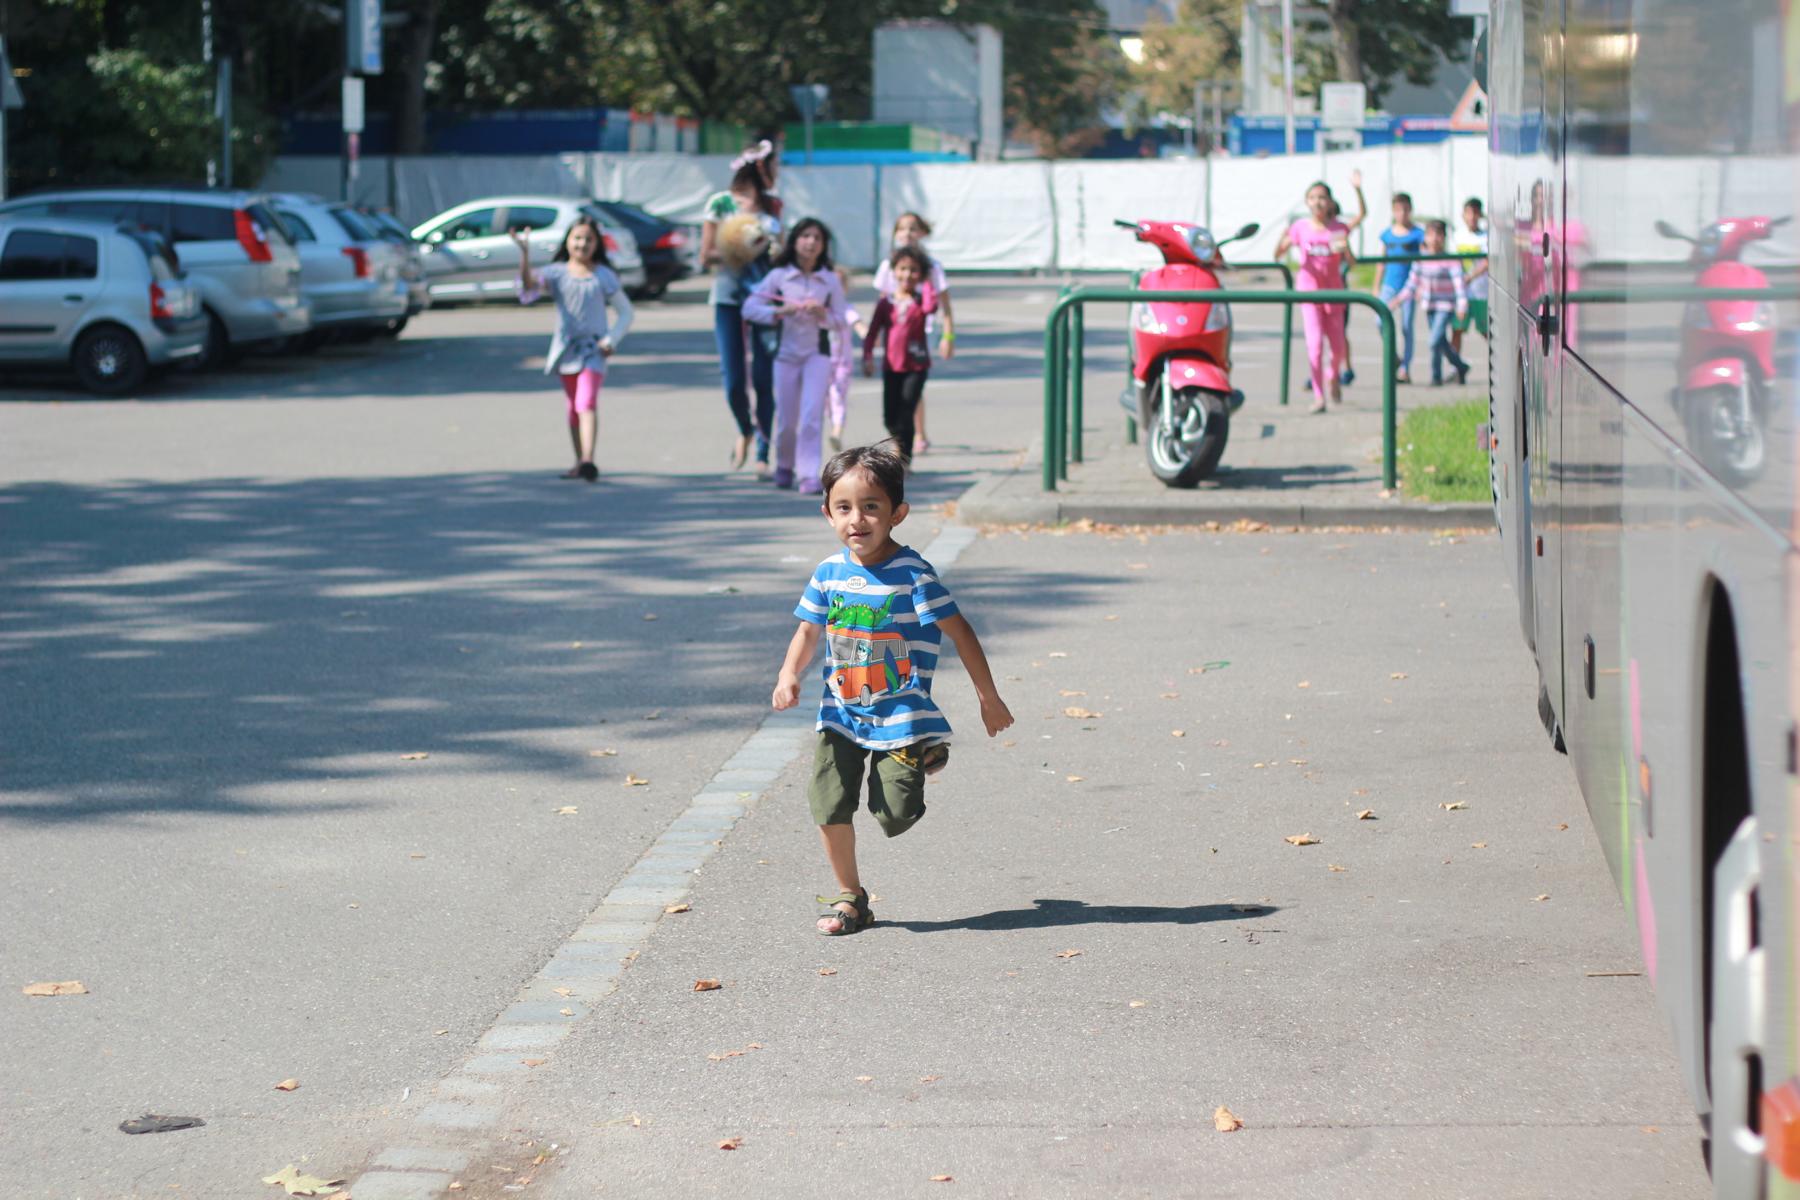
[(896, 784), (1476, 319)]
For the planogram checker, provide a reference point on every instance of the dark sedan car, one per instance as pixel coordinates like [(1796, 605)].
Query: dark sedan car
[(662, 243)]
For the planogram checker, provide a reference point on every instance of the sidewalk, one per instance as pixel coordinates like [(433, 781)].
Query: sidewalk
[(1283, 464), (1099, 934)]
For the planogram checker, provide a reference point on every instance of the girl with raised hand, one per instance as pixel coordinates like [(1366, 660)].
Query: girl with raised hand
[(1324, 245), (584, 287)]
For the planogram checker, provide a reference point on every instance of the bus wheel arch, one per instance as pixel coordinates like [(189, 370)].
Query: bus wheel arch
[(1731, 929)]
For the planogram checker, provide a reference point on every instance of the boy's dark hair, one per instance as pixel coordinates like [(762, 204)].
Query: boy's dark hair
[(786, 257), (883, 463), (1474, 202), (750, 178), (600, 259), (1437, 227), (913, 255), (1403, 198)]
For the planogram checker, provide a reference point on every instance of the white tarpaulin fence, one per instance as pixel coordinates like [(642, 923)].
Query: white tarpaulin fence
[(986, 216)]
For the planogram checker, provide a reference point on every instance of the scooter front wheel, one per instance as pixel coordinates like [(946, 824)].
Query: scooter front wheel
[(1188, 448), (1725, 427)]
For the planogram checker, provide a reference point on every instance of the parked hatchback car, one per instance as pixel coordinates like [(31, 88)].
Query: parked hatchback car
[(109, 302), (349, 273), (230, 243), (469, 254), (663, 245), (412, 267)]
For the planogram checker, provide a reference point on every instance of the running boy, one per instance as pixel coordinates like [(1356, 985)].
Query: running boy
[(1402, 239), (883, 613), (1472, 238)]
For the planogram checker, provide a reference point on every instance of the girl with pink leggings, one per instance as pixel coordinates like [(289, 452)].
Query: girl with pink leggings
[(1324, 245), (805, 297)]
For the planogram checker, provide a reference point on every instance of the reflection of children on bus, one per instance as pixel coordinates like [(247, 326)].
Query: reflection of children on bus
[(804, 296), (1324, 246)]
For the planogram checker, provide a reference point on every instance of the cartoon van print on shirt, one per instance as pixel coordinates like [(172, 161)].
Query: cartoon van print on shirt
[(869, 656)]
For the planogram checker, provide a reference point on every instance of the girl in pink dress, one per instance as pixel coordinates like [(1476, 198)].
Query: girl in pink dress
[(1324, 246)]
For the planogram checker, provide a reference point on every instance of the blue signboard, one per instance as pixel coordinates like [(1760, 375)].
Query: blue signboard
[(362, 34)]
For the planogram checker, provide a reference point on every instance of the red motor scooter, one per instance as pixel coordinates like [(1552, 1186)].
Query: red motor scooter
[(1180, 390), (1727, 358)]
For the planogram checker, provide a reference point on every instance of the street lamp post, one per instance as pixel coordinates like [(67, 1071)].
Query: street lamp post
[(1287, 68)]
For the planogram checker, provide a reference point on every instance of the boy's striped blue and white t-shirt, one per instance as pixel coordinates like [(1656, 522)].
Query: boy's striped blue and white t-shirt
[(881, 647)]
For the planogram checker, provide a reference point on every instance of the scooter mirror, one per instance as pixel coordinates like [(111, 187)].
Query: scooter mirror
[(1664, 229), (1248, 231)]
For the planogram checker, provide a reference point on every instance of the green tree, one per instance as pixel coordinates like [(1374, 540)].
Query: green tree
[(1201, 45), (1375, 42)]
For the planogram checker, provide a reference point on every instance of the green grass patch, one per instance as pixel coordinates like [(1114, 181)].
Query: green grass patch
[(1439, 457)]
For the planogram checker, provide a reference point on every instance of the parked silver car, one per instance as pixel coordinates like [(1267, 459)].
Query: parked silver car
[(349, 273), (469, 253), (105, 301), (412, 267), (230, 243)]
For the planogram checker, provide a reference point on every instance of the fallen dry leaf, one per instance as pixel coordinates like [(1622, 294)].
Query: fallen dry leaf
[(1397, 675), (567, 810), (567, 1012), (1562, 827), (66, 987), (1068, 954), (707, 985), (678, 908), (828, 970), (1070, 692), (730, 1143), (1335, 867), (1169, 696), (563, 991), (1478, 845), (727, 1054), (296, 1184), (650, 616), (603, 753), (1177, 733), (1138, 1003), (1059, 654), (534, 1062), (1075, 778), (943, 1179), (1365, 814), (633, 781), (929, 1078), (1360, 792), (1542, 898), (415, 856), (414, 757), (1226, 1121), (287, 1085), (1303, 683), (1081, 714), (1301, 839), (439, 1032), (1453, 805)]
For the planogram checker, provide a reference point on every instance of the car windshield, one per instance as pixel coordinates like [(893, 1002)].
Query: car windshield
[(265, 216)]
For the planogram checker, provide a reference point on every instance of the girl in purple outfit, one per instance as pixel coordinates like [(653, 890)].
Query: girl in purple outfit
[(805, 298)]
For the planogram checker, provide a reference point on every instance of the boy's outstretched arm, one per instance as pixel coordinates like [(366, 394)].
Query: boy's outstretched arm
[(799, 653), (994, 713)]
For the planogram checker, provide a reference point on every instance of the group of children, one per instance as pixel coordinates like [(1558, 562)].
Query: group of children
[(1453, 299)]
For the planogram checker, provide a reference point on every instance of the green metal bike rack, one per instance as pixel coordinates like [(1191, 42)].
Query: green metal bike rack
[(1064, 359)]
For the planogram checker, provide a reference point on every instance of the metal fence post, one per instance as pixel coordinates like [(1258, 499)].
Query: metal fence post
[(1052, 395), (1287, 332), (1389, 418), (1077, 368)]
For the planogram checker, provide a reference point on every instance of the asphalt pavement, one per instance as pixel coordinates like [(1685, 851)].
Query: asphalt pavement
[(302, 664)]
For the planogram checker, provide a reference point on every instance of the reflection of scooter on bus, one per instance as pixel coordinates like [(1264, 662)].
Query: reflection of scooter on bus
[(1181, 393), (1727, 359)]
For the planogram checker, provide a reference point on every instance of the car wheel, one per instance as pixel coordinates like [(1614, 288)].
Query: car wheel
[(217, 351), (394, 329), (109, 360)]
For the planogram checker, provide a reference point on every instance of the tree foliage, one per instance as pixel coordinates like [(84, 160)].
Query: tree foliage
[(1375, 42), (1200, 46)]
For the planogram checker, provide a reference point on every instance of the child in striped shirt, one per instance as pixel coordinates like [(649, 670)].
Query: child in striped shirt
[(1439, 286), (883, 613)]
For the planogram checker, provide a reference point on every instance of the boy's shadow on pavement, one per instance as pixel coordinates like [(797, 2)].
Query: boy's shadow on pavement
[(1046, 914)]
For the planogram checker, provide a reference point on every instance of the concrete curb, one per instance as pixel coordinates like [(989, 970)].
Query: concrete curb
[(1012, 498)]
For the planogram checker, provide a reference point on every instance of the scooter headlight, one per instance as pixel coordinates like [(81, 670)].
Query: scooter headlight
[(1201, 242), (1143, 320), (1218, 316), (1761, 317)]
